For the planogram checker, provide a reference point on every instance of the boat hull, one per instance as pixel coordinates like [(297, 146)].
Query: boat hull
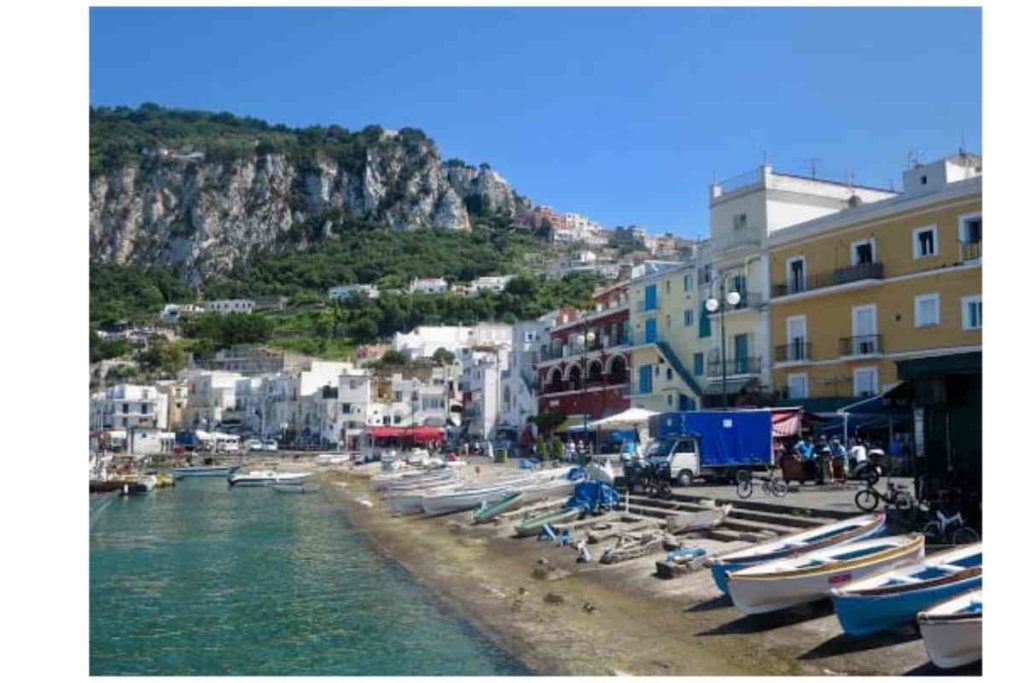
[(723, 566), (952, 630), (458, 501), (301, 487), (184, 472), (506, 504), (532, 526), (756, 592)]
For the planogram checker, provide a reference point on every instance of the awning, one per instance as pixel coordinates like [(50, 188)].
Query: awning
[(632, 417), (426, 433), (785, 423), (384, 432)]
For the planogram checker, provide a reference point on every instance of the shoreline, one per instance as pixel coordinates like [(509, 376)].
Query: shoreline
[(606, 619)]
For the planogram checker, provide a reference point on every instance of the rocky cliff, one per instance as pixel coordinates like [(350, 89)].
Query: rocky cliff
[(194, 207)]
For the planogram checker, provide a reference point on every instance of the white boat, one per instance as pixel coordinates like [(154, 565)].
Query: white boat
[(548, 489), (420, 483), (952, 630), (405, 502), (143, 484), (828, 535), (387, 481), (468, 498), (265, 477), (327, 459), (811, 576), (896, 597)]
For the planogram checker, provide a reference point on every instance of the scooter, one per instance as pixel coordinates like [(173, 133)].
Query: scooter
[(870, 470)]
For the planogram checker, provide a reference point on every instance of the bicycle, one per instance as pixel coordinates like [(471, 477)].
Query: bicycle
[(952, 529), (771, 485), (867, 499)]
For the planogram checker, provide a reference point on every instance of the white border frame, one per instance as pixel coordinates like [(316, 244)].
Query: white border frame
[(916, 244), (807, 384), (857, 243), (965, 302), (788, 280), (918, 300), (867, 369)]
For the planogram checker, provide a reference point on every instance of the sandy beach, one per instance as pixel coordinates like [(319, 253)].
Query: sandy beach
[(607, 619)]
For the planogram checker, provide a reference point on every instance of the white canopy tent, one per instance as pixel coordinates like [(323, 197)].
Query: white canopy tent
[(631, 417)]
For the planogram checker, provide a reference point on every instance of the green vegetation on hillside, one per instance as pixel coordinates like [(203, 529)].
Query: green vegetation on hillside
[(120, 135), (131, 293)]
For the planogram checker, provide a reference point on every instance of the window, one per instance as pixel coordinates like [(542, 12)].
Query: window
[(668, 374), (739, 221), (926, 310), (862, 252), (143, 408), (971, 312), (970, 229), (924, 180), (668, 322), (650, 330), (687, 283), (865, 381), (668, 286), (668, 400), (704, 329), (688, 318), (797, 385), (926, 241), (698, 364), (646, 379), (795, 279), (650, 297)]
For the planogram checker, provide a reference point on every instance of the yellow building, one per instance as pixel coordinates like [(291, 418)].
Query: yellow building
[(664, 310), (856, 291)]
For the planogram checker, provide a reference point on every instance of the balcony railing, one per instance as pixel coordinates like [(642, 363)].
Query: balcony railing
[(547, 354), (793, 352), (863, 345), (734, 366), (839, 276), (970, 251), (747, 300)]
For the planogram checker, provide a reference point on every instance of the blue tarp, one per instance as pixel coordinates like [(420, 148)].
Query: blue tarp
[(728, 438), (594, 496), (576, 473)]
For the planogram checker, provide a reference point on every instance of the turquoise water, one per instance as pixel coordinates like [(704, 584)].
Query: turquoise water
[(199, 579)]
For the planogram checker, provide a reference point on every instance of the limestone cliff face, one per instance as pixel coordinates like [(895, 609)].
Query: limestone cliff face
[(203, 216)]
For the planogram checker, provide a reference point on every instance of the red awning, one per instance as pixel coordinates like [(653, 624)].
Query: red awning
[(786, 422), (382, 432), (426, 433)]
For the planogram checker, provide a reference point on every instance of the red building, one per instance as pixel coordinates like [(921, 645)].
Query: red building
[(584, 367)]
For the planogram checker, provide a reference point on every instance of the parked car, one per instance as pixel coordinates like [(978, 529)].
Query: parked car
[(253, 445), (270, 445)]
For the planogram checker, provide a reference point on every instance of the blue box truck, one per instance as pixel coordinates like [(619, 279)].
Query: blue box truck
[(712, 444)]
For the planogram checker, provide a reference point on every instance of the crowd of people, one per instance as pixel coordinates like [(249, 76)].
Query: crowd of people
[(827, 459)]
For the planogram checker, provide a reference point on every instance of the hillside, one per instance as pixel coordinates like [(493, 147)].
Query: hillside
[(205, 193)]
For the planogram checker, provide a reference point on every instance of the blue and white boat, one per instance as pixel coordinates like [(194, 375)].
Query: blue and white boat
[(885, 600), (204, 471), (952, 630), (837, 533)]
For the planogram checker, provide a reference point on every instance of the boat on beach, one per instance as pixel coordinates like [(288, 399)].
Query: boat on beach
[(889, 599), (266, 478), (811, 576), (837, 533), (204, 471), (507, 503), (531, 526), (952, 630), (468, 498)]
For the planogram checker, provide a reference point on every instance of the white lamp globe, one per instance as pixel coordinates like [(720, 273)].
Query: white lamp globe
[(733, 298), (711, 305), (591, 336)]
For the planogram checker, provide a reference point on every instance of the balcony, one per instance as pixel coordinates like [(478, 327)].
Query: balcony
[(735, 366), (748, 300), (970, 251), (839, 276), (863, 345), (794, 352)]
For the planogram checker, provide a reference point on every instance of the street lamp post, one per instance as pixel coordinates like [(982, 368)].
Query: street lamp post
[(587, 337), (712, 305)]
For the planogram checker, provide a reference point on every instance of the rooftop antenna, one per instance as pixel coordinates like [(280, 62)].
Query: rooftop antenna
[(963, 144), (812, 163), (764, 158), (913, 159)]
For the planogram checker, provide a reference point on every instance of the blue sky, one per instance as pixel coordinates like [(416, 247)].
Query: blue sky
[(624, 115)]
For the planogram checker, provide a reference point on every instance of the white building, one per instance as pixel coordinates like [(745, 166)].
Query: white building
[(244, 306), (425, 340), (346, 292), (429, 285), (172, 313), (493, 283), (519, 390), (128, 406), (211, 398), (481, 386)]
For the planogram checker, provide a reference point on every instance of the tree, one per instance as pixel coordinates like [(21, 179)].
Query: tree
[(393, 357), (164, 357), (546, 230), (443, 357), (557, 448)]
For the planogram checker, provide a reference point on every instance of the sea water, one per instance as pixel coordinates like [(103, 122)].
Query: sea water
[(200, 579)]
